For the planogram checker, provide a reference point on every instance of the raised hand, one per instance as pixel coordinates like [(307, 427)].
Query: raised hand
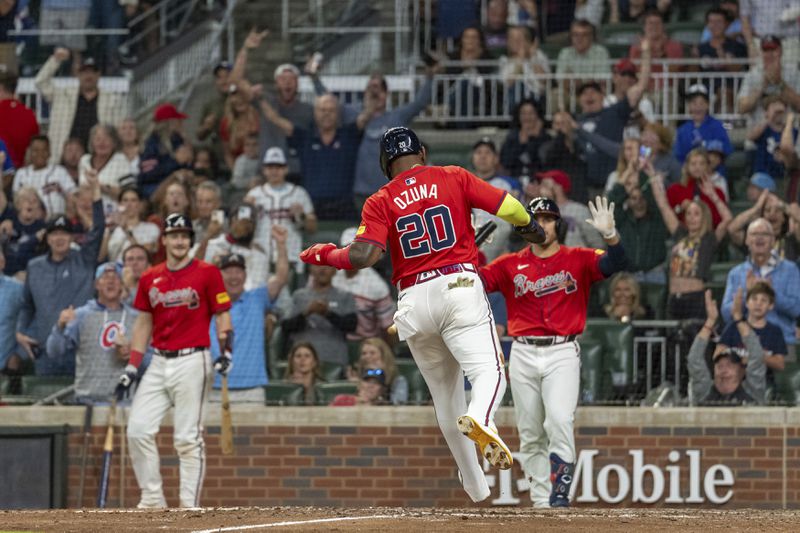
[(603, 217), (712, 312), (254, 38)]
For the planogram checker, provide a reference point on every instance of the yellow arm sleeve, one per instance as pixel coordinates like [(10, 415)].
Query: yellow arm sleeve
[(513, 212)]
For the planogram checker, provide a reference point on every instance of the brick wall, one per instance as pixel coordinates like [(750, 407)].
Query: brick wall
[(396, 456)]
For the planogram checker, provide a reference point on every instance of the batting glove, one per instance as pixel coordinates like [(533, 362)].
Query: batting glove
[(603, 217), (224, 364), (126, 380), (532, 232), (317, 254)]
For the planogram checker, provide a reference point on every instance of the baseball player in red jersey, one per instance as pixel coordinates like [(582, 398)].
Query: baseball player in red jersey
[(546, 287), (176, 301), (443, 313)]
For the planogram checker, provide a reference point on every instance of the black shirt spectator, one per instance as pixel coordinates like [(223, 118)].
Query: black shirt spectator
[(85, 119), (519, 154)]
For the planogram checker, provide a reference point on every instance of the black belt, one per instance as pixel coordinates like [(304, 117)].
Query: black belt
[(546, 341), (171, 354)]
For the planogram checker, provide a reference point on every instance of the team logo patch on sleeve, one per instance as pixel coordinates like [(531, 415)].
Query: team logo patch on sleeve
[(361, 229), (223, 298), (598, 251), (411, 181)]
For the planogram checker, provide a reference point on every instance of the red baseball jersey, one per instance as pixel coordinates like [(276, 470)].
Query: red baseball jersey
[(545, 296), (424, 215), (182, 303)]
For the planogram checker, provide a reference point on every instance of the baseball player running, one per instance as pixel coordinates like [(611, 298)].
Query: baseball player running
[(546, 288), (443, 313), (176, 301)]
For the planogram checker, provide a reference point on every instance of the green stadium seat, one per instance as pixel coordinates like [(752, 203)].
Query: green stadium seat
[(719, 271), (738, 166), (332, 371), (417, 388), (620, 33), (326, 392), (284, 393), (617, 341), (276, 348), (787, 384), (655, 295), (278, 370), (591, 372), (42, 386)]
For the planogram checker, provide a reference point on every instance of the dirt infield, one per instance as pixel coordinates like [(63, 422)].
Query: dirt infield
[(503, 520)]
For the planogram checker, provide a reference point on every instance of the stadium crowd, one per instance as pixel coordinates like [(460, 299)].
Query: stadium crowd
[(83, 205)]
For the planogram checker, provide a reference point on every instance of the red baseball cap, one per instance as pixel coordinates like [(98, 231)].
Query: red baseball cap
[(625, 66), (167, 112), (558, 176)]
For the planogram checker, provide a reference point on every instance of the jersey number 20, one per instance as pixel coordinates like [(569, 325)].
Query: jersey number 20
[(420, 234)]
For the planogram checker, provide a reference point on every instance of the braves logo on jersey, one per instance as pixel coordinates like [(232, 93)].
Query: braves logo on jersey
[(562, 281), (174, 298), (109, 333)]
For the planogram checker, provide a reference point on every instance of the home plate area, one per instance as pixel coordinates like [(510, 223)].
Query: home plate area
[(208, 520)]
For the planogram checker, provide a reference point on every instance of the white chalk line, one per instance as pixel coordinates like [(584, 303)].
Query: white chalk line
[(298, 523)]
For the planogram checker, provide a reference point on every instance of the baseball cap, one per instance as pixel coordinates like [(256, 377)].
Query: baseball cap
[(166, 112), (244, 211), (89, 63), (762, 180), (222, 65), (697, 89), (283, 67), (485, 141), (348, 236), (770, 42), (59, 223), (274, 156), (589, 85), (177, 222), (374, 373), (732, 355), (232, 260), (106, 267), (715, 146), (625, 66), (558, 176)]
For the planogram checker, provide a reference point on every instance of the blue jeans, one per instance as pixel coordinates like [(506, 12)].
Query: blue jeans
[(108, 14)]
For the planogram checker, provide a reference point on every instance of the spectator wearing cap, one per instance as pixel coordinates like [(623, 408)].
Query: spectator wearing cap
[(520, 153), (65, 15), (374, 303), (769, 78), (129, 228), (51, 181), (11, 296), (762, 263), (701, 128), (760, 182), (96, 336), (75, 110), (524, 67), (322, 315), (18, 123), (328, 153), (249, 375), (624, 75), (372, 390), (21, 230), (763, 18), (57, 280), (106, 160), (239, 239), (584, 58), (214, 108), (278, 202), (285, 101), (556, 185), (661, 46), (735, 381), (165, 150), (767, 138), (485, 164), (600, 128), (716, 159)]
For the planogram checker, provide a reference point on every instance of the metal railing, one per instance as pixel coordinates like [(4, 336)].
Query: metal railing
[(490, 98), (171, 18)]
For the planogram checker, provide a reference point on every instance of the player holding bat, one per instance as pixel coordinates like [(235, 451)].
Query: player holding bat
[(423, 214), (176, 301)]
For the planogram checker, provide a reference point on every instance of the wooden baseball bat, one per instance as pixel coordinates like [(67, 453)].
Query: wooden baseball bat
[(226, 431), (87, 430), (108, 452)]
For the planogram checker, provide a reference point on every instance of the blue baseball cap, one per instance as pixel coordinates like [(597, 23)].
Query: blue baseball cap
[(762, 180), (105, 267), (715, 146)]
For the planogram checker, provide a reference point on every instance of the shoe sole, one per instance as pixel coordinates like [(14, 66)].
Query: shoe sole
[(491, 447)]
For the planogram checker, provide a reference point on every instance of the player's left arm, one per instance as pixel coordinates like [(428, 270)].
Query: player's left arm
[(614, 260)]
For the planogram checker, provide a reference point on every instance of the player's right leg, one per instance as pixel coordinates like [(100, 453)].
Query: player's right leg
[(150, 403), (529, 410), (445, 381)]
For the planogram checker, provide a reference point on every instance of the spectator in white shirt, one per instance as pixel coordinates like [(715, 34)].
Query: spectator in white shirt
[(52, 182), (130, 229), (109, 163)]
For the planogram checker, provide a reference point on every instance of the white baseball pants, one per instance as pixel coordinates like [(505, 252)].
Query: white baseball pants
[(545, 382), (450, 331), (185, 383)]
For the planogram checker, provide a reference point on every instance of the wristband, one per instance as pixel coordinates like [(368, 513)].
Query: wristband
[(340, 258), (136, 358)]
